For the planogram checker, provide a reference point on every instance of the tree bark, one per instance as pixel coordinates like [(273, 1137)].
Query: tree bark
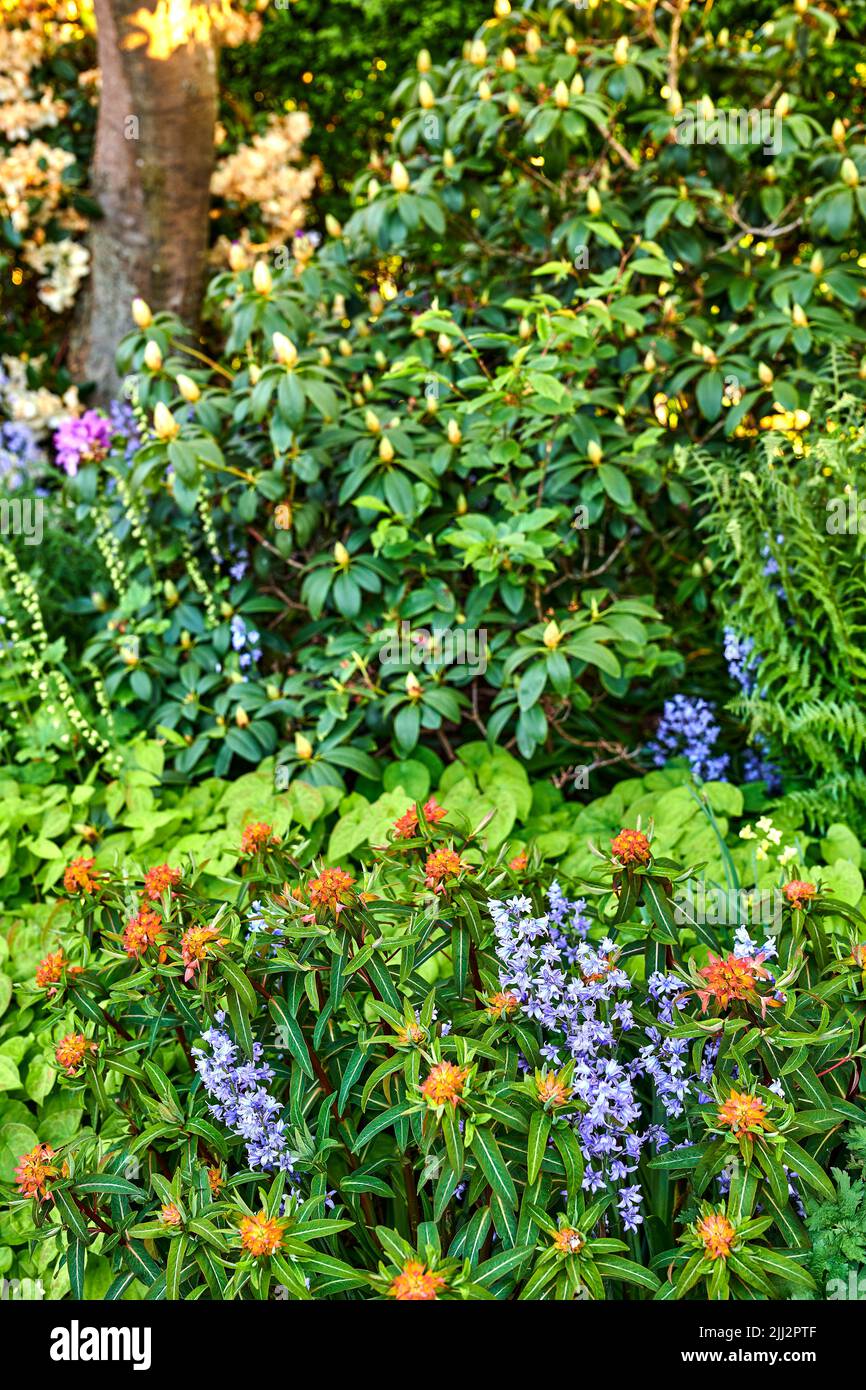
[(151, 177)]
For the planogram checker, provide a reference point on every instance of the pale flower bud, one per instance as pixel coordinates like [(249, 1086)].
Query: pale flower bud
[(386, 449), (371, 420), (423, 61), (838, 131), (444, 344), (766, 375), (341, 556), (303, 747), (594, 452), (560, 94), (237, 257), (577, 86), (262, 281), (502, 9), (593, 202), (400, 179), (141, 315), (552, 635), (152, 356), (284, 350), (816, 265), (413, 686), (533, 41), (188, 388), (454, 432), (783, 105), (242, 719), (509, 59), (164, 424), (849, 174), (798, 316), (426, 95), (332, 226), (485, 91), (620, 50)]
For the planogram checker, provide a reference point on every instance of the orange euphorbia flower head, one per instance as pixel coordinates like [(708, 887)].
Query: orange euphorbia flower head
[(261, 1234), (157, 879), (799, 893), (33, 1171), (441, 865), (407, 824), (256, 836), (742, 1113), (717, 1234), (71, 1051), (734, 978), (328, 890), (631, 847), (143, 930), (78, 877), (416, 1283), (444, 1084)]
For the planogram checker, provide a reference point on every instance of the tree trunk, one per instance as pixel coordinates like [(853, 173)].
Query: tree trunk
[(151, 175)]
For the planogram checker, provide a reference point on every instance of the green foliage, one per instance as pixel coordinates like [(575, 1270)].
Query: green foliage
[(789, 537), (337, 65)]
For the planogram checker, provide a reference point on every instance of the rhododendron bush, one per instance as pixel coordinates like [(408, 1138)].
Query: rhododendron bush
[(440, 1074)]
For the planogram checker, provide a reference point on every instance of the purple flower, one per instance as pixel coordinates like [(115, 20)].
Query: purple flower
[(687, 729), (240, 1102), (82, 440)]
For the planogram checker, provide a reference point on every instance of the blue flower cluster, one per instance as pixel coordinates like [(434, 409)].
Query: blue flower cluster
[(18, 452), (240, 1102), (688, 729), (244, 641), (743, 661), (576, 990)]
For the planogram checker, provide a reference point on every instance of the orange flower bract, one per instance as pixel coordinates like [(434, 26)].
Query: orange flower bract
[(717, 1234), (631, 847), (261, 1234), (444, 1083), (157, 879), (34, 1170), (416, 1283), (71, 1051), (407, 824), (143, 930), (78, 877), (442, 864), (328, 889), (799, 893), (742, 1113), (255, 837)]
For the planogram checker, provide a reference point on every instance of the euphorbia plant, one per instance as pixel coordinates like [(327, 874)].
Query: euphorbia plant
[(429, 1079)]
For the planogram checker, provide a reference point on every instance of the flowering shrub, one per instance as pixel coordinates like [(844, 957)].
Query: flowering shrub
[(436, 1077)]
